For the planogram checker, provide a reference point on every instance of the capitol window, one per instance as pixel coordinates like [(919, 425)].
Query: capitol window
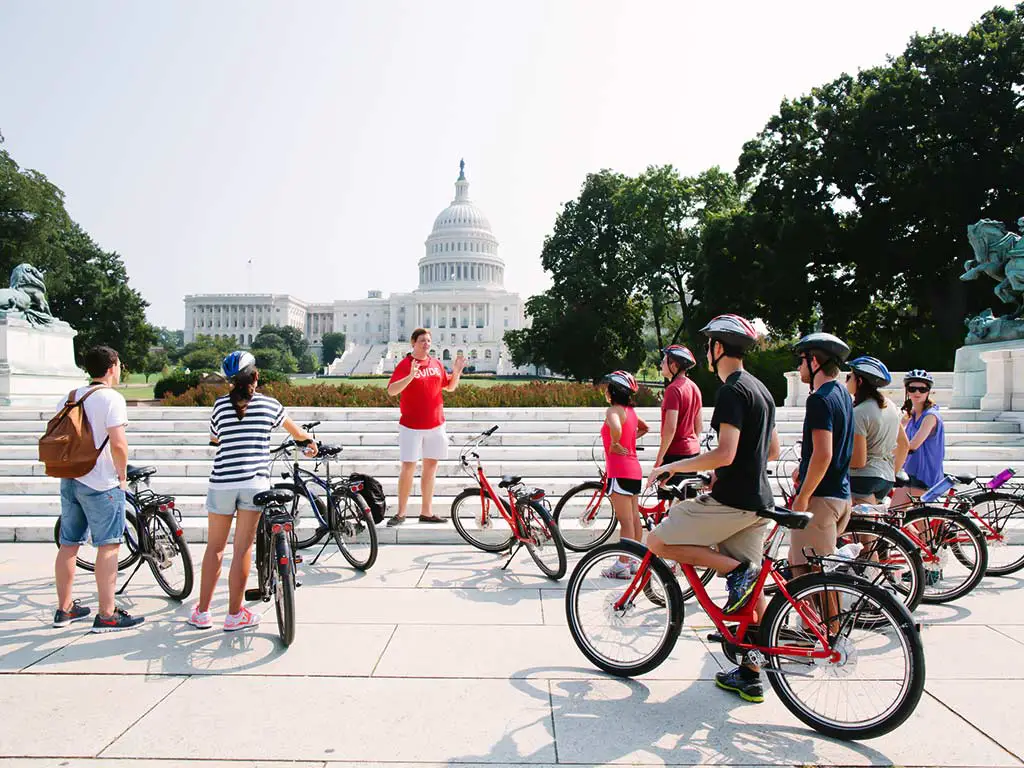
[(487, 354)]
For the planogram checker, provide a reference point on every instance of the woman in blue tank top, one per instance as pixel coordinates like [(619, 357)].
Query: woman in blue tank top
[(925, 432)]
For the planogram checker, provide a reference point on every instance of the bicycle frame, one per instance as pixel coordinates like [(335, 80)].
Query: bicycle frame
[(487, 491)]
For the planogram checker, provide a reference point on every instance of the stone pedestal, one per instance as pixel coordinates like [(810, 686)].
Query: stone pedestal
[(37, 365), (984, 376)]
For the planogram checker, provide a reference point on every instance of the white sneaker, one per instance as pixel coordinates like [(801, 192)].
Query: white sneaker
[(244, 619), (618, 570), (200, 619)]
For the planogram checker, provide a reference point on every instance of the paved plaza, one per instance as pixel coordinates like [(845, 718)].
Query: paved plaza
[(436, 657)]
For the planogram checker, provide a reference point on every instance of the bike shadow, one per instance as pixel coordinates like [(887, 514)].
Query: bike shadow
[(602, 719)]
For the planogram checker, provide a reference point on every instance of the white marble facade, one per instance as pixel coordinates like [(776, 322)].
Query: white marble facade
[(460, 297)]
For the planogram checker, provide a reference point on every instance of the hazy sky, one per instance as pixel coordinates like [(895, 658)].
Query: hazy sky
[(320, 139)]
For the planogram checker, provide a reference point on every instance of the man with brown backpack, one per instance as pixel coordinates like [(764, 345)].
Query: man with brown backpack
[(85, 445)]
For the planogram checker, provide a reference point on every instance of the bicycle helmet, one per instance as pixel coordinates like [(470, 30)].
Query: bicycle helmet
[(236, 362), (622, 381), (871, 369), (731, 329), (680, 355), (918, 374), (830, 346)]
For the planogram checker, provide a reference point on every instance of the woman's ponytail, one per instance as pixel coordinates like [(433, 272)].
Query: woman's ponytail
[(242, 389)]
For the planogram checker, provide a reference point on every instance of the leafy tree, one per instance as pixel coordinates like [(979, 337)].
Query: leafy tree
[(169, 339), (333, 346), (155, 362), (273, 359), (203, 343), (307, 363), (287, 337), (205, 358)]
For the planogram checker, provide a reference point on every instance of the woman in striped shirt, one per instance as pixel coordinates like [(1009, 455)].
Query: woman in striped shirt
[(240, 427)]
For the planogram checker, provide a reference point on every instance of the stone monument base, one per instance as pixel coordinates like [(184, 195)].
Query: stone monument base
[(984, 376), (37, 364)]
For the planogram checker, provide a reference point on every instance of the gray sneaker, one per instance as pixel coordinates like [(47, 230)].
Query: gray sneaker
[(76, 612), (119, 621)]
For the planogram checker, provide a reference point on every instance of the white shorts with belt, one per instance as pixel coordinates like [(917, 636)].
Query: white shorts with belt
[(416, 444)]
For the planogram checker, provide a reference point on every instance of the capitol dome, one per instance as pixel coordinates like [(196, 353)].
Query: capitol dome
[(461, 250)]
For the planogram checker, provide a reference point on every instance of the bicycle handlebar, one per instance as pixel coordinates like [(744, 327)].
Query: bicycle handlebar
[(310, 425)]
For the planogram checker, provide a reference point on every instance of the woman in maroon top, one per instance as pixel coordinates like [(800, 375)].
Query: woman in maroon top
[(419, 380), (680, 409)]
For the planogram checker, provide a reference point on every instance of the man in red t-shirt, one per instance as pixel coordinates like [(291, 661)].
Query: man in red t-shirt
[(680, 408), (419, 380)]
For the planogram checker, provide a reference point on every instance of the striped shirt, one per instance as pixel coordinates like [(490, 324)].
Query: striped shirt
[(243, 451)]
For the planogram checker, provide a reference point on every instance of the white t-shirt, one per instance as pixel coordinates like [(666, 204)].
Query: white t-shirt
[(105, 408)]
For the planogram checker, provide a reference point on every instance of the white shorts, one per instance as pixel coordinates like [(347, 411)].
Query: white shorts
[(416, 444)]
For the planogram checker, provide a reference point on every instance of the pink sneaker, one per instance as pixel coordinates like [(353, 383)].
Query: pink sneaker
[(244, 619), (200, 619)]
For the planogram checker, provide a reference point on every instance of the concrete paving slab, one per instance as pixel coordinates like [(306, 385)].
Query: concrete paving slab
[(57, 715), (176, 648), (990, 705), (509, 652), (36, 762), (970, 651), (420, 606), (620, 721), (486, 573), (23, 643), (439, 720)]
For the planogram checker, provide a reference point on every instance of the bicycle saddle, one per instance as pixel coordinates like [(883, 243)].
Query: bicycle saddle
[(139, 473), (273, 496), (507, 480), (966, 478), (787, 518), (328, 450)]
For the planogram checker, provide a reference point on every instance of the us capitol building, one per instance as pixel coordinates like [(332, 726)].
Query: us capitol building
[(460, 298)]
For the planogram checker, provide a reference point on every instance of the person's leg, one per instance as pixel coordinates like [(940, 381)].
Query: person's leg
[(819, 537), (246, 523), (73, 530), (106, 577), (405, 478), (64, 571), (427, 475), (105, 511), (701, 523), (218, 528)]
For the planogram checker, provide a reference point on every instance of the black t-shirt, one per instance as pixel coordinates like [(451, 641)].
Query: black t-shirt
[(830, 408), (745, 403)]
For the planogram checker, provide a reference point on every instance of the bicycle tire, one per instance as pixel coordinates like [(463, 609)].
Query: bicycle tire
[(176, 540), (1011, 507), (881, 603), (581, 543), (497, 542), (284, 593), (888, 536), (673, 619), (685, 590), (968, 532), (302, 509), (544, 535), (353, 518), (130, 542)]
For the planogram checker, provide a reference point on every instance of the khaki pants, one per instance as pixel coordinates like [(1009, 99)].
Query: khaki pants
[(830, 519), (703, 522)]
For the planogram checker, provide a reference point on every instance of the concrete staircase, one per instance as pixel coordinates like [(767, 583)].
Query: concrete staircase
[(550, 447)]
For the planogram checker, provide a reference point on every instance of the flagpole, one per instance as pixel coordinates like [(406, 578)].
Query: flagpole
[(248, 273)]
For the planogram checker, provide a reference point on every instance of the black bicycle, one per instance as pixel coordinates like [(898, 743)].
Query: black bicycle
[(275, 559), (152, 534), (341, 512)]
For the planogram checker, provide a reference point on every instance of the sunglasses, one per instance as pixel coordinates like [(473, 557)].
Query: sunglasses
[(918, 389), (849, 376)]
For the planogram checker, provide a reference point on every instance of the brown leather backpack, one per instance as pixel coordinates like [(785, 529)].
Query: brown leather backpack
[(68, 448)]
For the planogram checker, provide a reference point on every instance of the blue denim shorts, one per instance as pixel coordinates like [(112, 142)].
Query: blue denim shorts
[(224, 501), (84, 510)]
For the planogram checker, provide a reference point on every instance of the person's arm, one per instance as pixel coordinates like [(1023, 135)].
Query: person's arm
[(641, 427), (859, 458), (396, 386), (119, 453), (453, 380), (300, 436), (614, 422), (927, 427), (821, 458), (902, 448), (668, 431), (698, 423), (721, 456), (774, 446)]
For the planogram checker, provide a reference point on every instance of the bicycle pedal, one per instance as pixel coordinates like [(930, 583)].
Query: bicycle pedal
[(253, 594), (297, 559), (298, 584)]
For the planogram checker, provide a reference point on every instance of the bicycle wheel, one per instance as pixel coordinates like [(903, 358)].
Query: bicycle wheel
[(284, 588), (953, 552), (1000, 516), (631, 638), (86, 559), (879, 675), (585, 517), (653, 592), (352, 529), (169, 558), (543, 541), (479, 522), (886, 544), (310, 522)]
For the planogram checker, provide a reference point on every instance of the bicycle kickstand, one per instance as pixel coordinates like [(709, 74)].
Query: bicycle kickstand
[(512, 554), (327, 540), (131, 575)]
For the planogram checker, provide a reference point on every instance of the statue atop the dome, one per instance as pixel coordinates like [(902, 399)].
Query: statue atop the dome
[(1000, 255), (462, 170)]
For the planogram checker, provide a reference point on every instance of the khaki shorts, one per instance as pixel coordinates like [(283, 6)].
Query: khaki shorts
[(704, 522), (830, 519)]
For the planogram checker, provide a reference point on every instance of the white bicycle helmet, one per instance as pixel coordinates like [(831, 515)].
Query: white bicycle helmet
[(731, 329), (680, 355), (918, 374)]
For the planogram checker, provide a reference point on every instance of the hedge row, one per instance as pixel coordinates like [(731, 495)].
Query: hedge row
[(536, 394)]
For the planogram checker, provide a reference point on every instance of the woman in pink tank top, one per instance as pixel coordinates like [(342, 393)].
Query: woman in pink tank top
[(619, 433)]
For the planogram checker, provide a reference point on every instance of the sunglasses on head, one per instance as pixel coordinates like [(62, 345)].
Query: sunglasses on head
[(912, 388)]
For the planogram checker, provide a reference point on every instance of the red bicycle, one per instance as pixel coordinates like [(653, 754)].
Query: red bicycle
[(842, 654), (475, 511)]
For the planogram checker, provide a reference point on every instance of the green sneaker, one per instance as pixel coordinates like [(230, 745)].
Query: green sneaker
[(748, 689)]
